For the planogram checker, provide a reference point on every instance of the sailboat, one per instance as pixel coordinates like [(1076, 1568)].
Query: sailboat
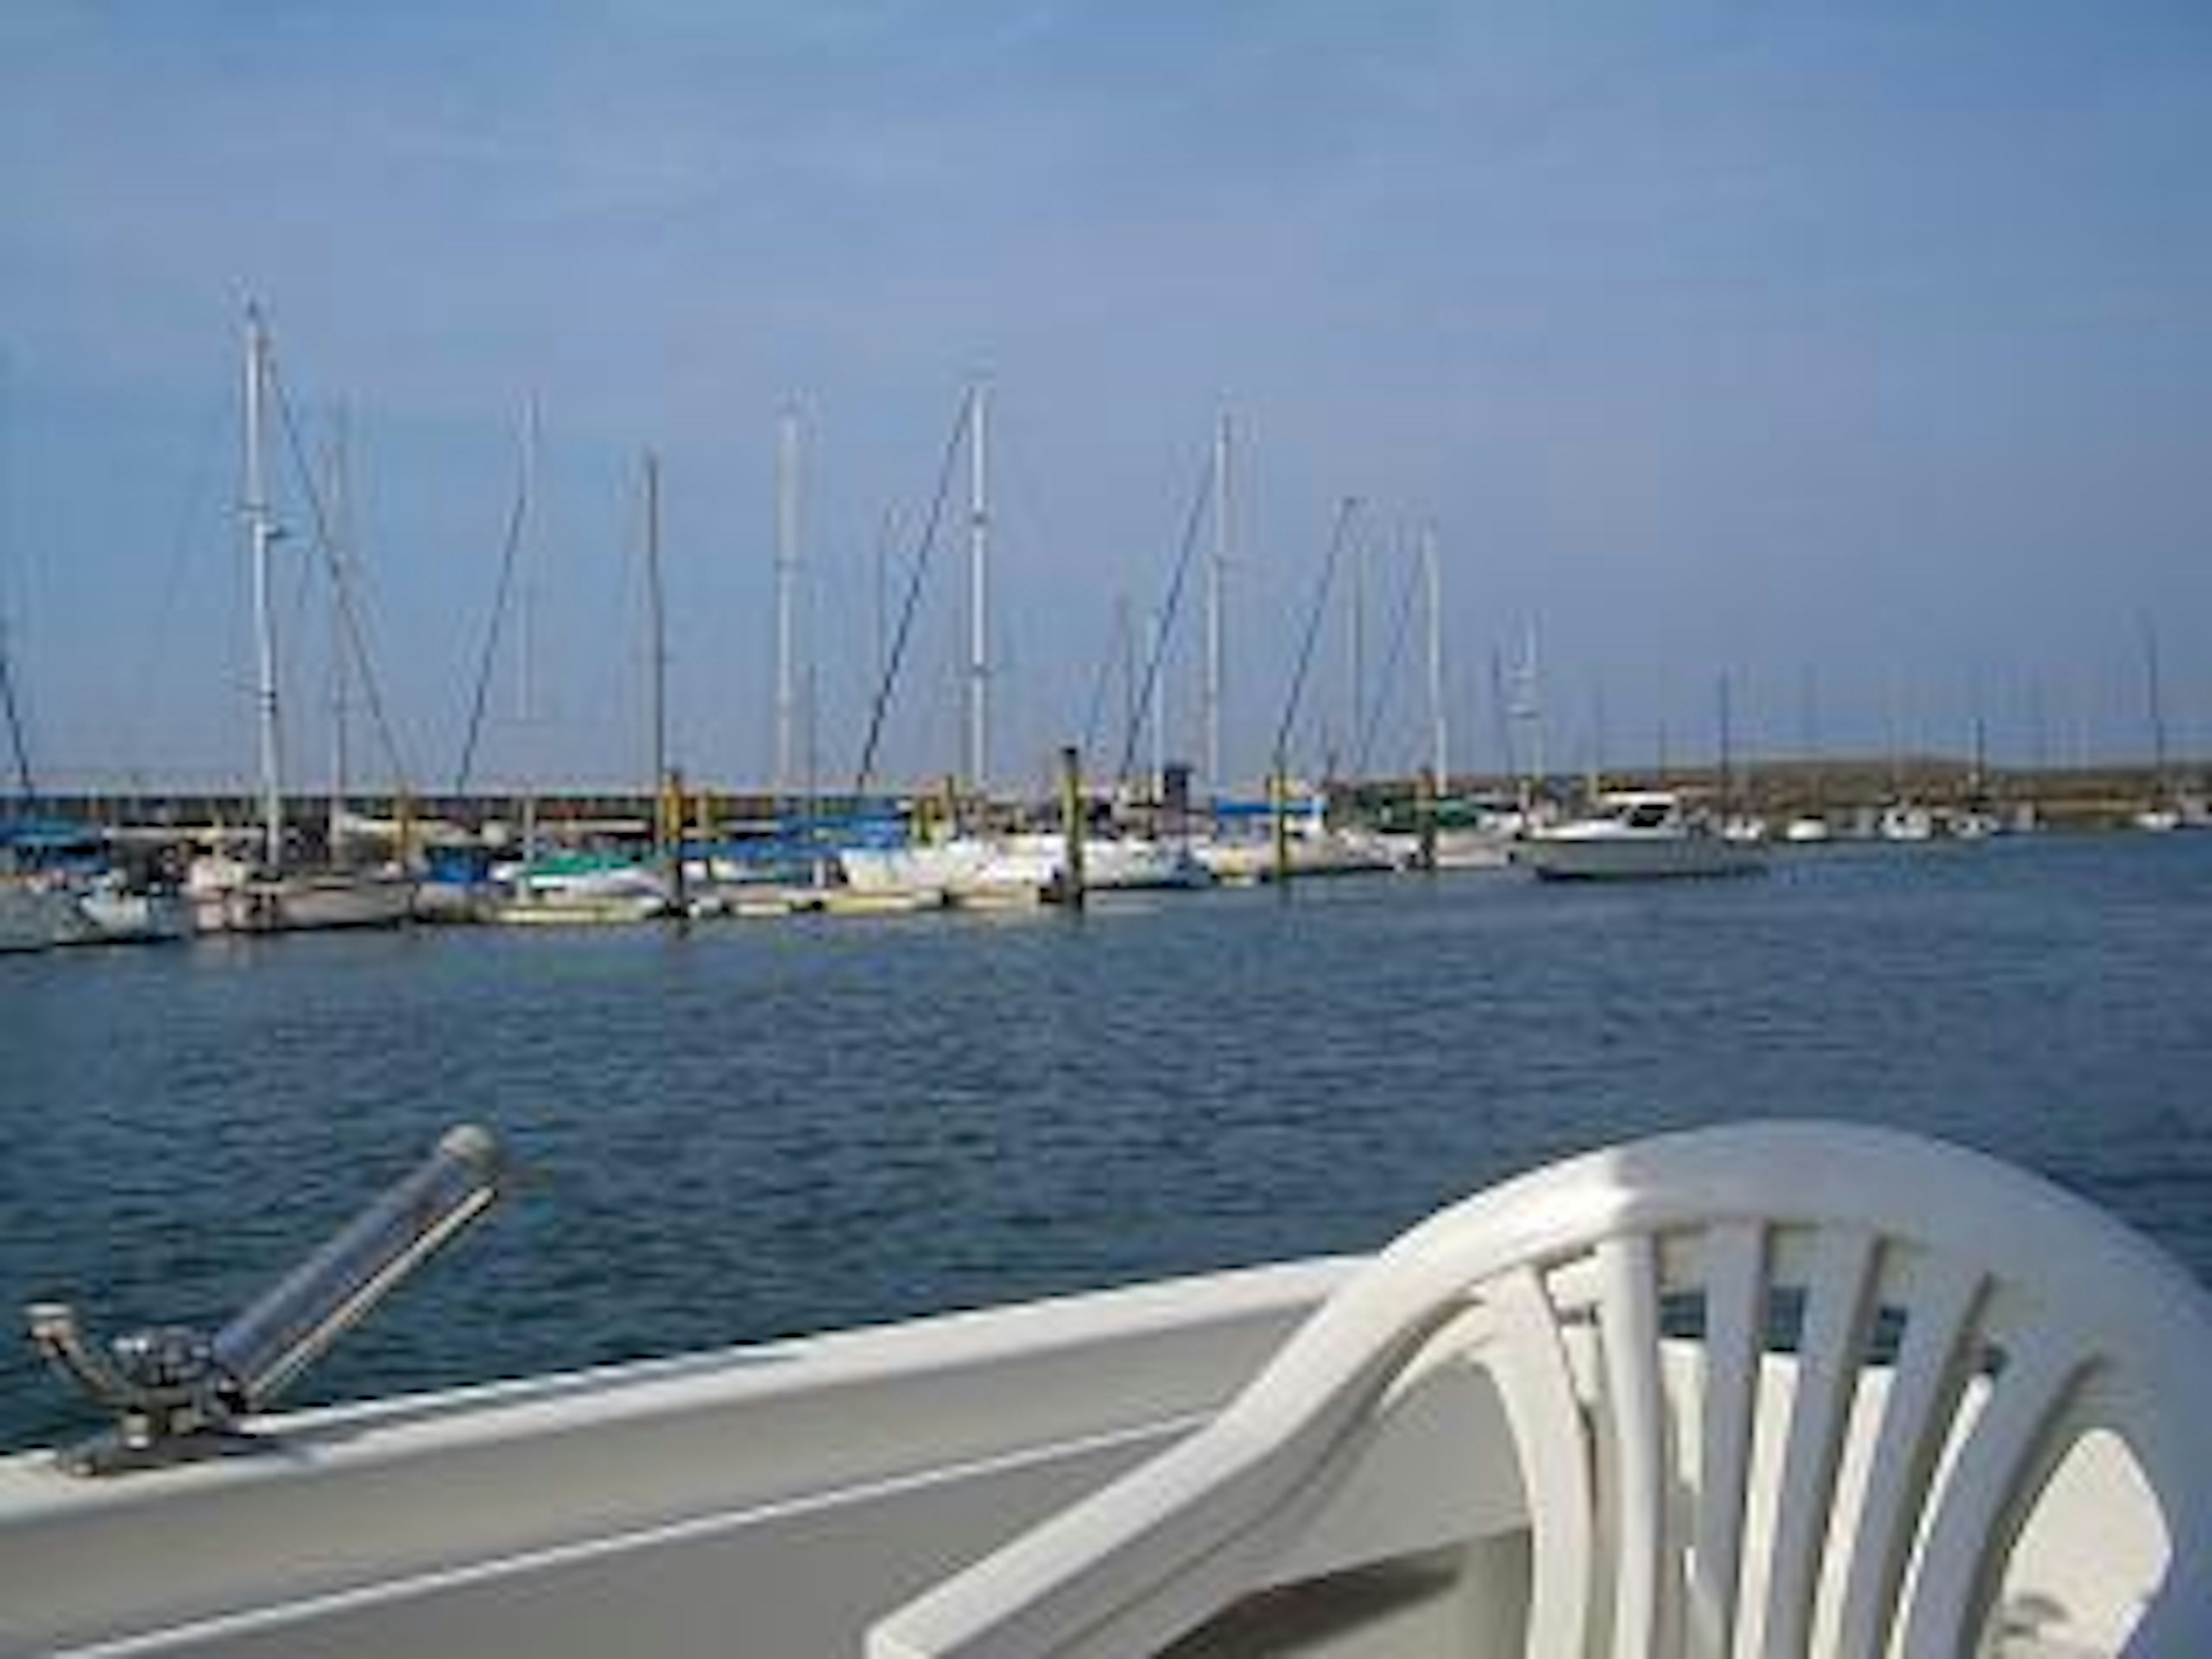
[(58, 883), (272, 893), (33, 917), (2165, 811), (592, 886)]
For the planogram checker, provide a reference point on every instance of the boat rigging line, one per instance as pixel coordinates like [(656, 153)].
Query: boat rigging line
[(1140, 708), (509, 558), (1118, 649), (326, 547), (26, 785), (1347, 515), (865, 773), (1400, 629), (18, 742)]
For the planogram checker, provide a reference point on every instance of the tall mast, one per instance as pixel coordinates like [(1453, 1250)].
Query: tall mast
[(524, 643), (18, 741), (979, 628), (1216, 581), (341, 515), (1356, 650), (26, 784), (261, 535), (2154, 692), (657, 622), (1439, 748), (787, 576), (1528, 709)]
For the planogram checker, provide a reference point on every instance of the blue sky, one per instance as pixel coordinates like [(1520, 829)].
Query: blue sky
[(1858, 355)]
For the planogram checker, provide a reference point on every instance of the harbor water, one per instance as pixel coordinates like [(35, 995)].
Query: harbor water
[(752, 1129)]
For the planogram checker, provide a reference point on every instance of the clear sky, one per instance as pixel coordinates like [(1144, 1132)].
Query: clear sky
[(1856, 355)]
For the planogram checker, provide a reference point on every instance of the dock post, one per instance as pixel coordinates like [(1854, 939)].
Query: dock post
[(1071, 887), (1278, 791), (1425, 804), (668, 834)]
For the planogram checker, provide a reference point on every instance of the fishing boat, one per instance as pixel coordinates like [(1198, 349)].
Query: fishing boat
[(1791, 1388), (1636, 834)]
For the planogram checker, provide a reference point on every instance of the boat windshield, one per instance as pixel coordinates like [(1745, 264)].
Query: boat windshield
[(1647, 814)]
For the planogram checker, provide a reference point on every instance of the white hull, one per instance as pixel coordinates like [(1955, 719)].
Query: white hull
[(289, 904), (1636, 836), (1127, 862), (1022, 868), (109, 916), (1560, 857), (1473, 849), (33, 918), (1243, 860), (586, 895), (575, 909)]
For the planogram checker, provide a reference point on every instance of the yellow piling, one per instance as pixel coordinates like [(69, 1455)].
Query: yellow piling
[(1279, 789), (1072, 886)]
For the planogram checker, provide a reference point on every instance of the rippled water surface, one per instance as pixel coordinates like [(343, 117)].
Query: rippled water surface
[(758, 1128)]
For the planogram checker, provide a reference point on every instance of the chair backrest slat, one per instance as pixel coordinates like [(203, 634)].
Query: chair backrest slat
[(1549, 1426), (1628, 1325), (1934, 1360), (1733, 1267), (1986, 1495), (1830, 1347)]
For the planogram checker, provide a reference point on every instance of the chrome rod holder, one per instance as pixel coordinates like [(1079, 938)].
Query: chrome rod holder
[(176, 1393)]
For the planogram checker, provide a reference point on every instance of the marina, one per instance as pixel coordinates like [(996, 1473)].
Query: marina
[(1287, 832), (735, 1132), (731, 1135)]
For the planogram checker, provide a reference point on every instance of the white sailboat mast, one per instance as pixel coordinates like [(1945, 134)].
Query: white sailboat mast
[(524, 643), (979, 615), (261, 535), (340, 489), (1216, 581), (657, 622), (786, 577), (1439, 744)]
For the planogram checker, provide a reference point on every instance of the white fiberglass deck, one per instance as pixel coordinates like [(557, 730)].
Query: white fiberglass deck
[(775, 1501), (1769, 1389)]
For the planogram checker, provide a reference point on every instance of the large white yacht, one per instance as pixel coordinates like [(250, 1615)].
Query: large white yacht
[(1636, 834)]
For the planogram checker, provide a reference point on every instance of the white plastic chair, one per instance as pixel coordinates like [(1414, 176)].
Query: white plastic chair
[(1993, 1318)]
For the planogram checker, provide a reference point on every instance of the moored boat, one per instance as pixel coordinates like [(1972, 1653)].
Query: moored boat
[(33, 914), (1636, 834), (111, 911)]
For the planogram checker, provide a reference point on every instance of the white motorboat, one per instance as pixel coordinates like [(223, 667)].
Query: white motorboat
[(1806, 1385), (1635, 835), (1906, 821)]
